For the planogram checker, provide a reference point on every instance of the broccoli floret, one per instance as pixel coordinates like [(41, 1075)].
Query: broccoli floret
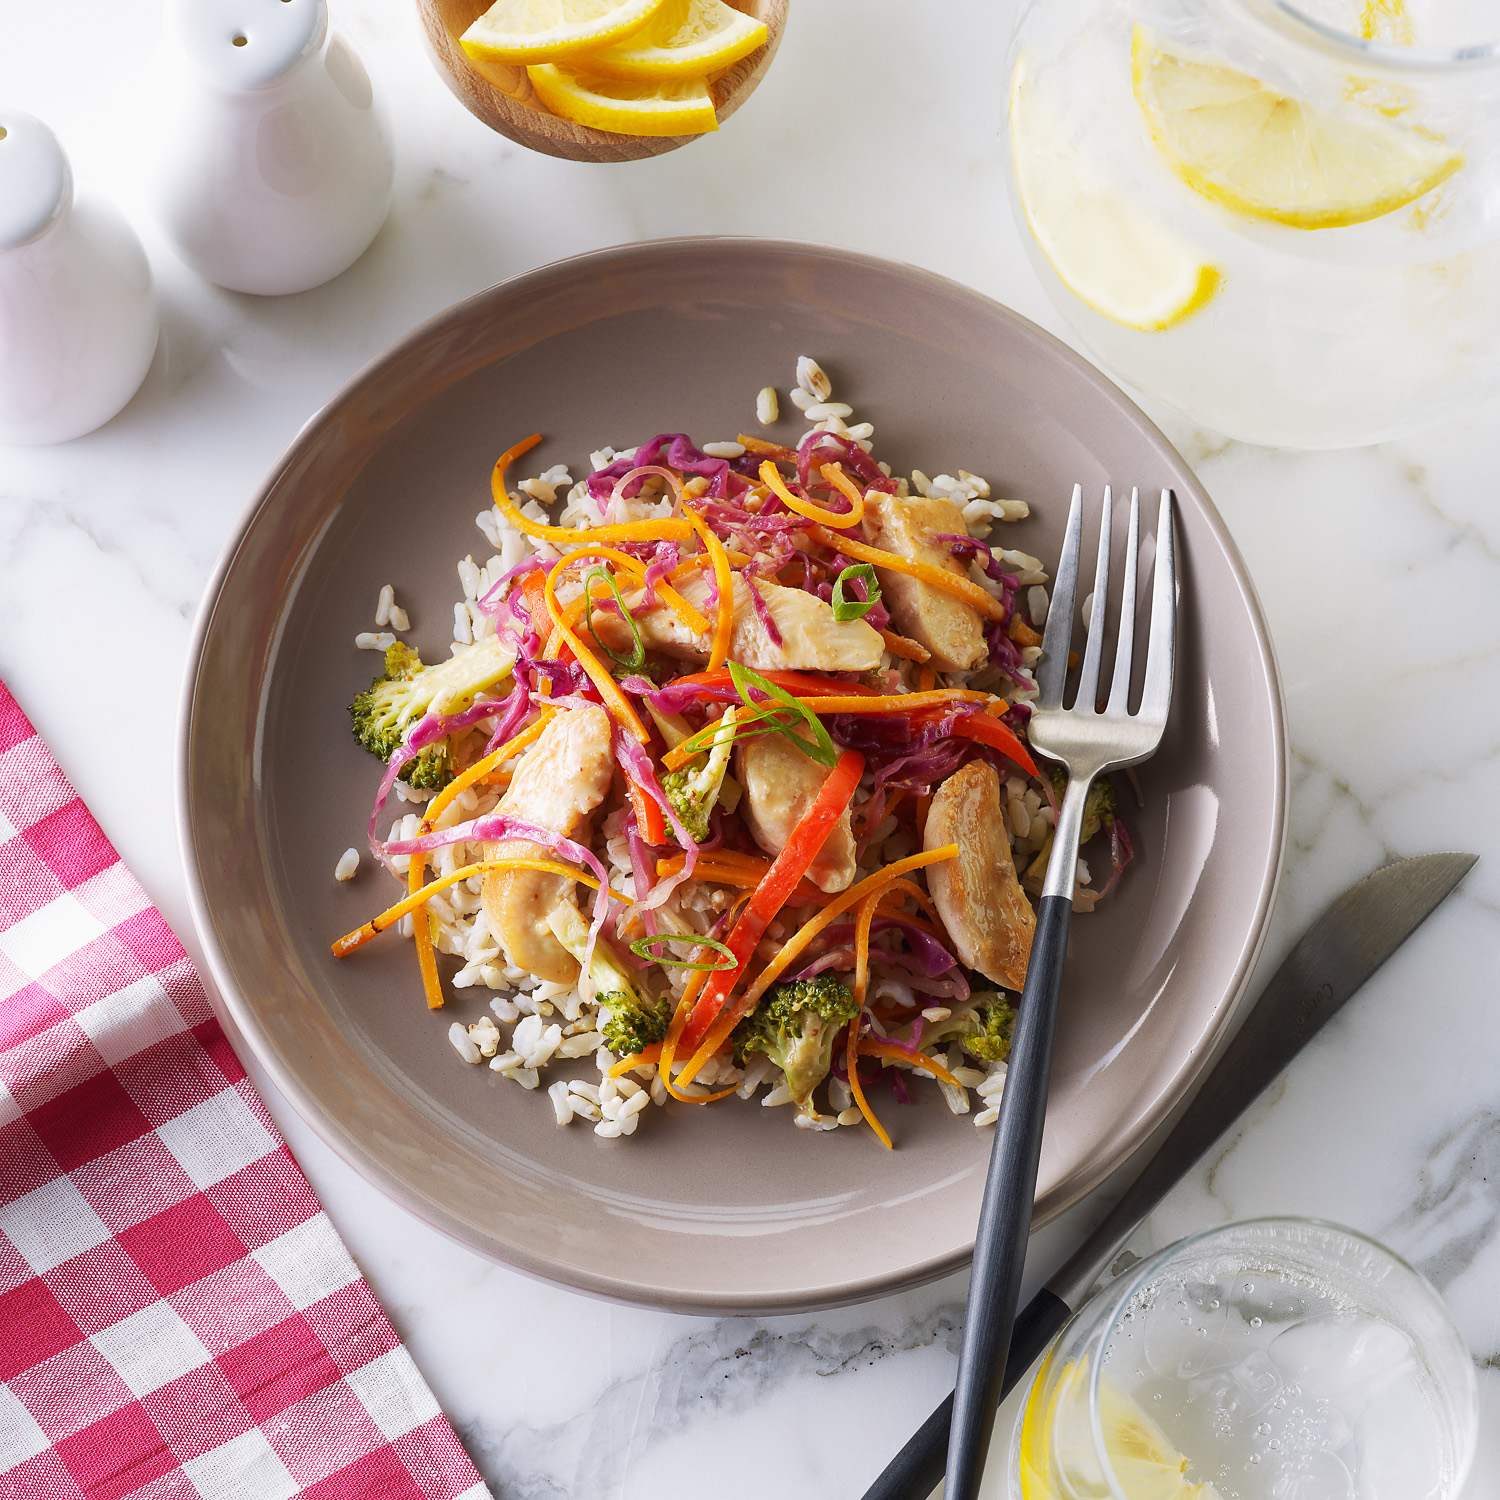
[(693, 790), (981, 1025), (630, 1020), (1098, 806), (795, 1025), (406, 690), (1098, 812)]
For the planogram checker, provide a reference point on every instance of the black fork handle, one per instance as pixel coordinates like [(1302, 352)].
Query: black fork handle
[(917, 1469), (1005, 1218)]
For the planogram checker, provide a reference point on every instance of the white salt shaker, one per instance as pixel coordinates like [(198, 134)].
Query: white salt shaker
[(271, 170), (78, 322)]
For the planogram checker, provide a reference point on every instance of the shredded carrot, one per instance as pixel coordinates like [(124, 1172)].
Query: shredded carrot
[(724, 867), (998, 708), (895, 703), (799, 684), (916, 893), (940, 578), (689, 614), (859, 700), (725, 580), (767, 450), (422, 933), (609, 690), (862, 920), (482, 768), (898, 645), (834, 474), (805, 507), (926, 679), (625, 1064), (671, 530), (874, 1046), (393, 914), (851, 1067), (835, 908), (924, 804), (669, 1044), (1021, 633)]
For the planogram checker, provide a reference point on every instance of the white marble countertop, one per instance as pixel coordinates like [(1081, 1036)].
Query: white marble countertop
[(1379, 570)]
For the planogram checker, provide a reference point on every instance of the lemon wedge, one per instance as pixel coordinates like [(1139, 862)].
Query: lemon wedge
[(527, 31), (1269, 156), (627, 106), (1056, 1433), (683, 38), (1110, 254)]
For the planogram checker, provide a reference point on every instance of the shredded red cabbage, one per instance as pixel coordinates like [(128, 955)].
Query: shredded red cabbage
[(638, 764), (815, 449), (672, 450), (763, 614), (665, 557)]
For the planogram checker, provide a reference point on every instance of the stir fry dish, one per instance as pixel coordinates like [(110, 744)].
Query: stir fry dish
[(724, 785)]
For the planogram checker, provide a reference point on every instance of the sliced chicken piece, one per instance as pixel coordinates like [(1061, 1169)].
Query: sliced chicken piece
[(951, 630), (780, 783), (977, 894), (558, 783), (811, 639)]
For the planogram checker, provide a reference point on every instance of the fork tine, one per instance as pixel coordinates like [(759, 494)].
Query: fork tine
[(1052, 671), (1093, 651), (1119, 687), (1157, 697)]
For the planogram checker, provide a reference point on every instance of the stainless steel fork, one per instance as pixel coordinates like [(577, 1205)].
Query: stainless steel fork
[(1088, 740)]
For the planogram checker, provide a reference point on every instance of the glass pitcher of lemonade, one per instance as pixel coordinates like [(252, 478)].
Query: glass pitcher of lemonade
[(1281, 220)]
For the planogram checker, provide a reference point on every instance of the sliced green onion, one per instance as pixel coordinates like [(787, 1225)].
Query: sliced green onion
[(820, 747), (641, 948), (637, 658), (844, 609)]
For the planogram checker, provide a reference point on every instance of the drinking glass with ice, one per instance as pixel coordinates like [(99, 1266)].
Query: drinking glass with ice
[(1277, 1359)]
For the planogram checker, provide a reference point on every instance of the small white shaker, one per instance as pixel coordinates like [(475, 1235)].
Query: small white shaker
[(78, 322), (271, 171)]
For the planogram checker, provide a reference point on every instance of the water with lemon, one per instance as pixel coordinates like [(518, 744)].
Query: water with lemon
[(1266, 1369), (1291, 235)]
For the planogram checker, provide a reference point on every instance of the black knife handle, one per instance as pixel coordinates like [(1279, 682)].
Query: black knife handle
[(917, 1469)]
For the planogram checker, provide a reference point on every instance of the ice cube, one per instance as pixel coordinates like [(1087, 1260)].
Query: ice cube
[(1241, 1391), (1400, 1454), (1344, 1359)]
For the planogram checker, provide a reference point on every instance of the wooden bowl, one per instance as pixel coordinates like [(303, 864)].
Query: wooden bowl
[(502, 96)]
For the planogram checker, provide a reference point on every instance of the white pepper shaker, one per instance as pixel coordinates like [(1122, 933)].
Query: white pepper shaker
[(78, 321), (271, 170)]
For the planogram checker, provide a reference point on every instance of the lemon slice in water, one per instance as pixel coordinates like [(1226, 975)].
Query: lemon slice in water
[(683, 38), (1109, 253), (627, 106), (525, 31), (1146, 1464), (1269, 156)]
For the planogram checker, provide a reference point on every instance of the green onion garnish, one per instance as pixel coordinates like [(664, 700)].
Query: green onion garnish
[(820, 747), (641, 948), (637, 658), (844, 609)]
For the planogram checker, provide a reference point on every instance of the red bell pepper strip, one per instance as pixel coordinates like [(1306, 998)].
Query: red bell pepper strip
[(714, 1015), (649, 818), (803, 684), (992, 732)]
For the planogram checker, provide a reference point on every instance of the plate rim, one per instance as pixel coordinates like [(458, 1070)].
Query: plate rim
[(239, 1018)]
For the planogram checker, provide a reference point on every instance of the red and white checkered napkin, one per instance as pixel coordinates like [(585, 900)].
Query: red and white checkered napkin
[(178, 1318)]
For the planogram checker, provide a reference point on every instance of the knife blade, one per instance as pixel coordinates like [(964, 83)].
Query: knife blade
[(1333, 959)]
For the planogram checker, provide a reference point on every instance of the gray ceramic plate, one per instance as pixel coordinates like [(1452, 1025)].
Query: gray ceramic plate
[(728, 1208)]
